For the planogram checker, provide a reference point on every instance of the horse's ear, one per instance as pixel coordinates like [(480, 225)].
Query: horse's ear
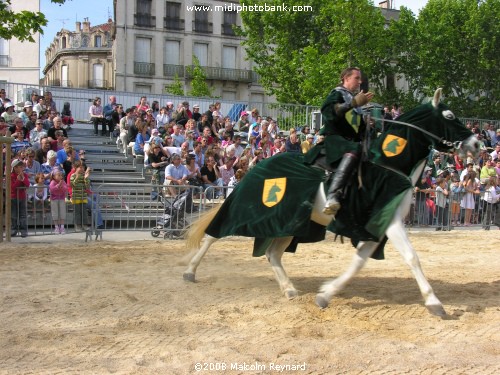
[(437, 97)]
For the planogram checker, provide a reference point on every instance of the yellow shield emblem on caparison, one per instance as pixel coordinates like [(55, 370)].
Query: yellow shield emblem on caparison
[(393, 145), (273, 192)]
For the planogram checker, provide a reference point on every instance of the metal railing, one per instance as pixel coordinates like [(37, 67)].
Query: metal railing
[(144, 20), (142, 68), (170, 23), (203, 27), (168, 211)]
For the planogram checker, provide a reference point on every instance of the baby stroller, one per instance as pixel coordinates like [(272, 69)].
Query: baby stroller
[(173, 223)]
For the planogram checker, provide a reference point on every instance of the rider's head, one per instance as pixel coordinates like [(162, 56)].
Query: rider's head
[(351, 78)]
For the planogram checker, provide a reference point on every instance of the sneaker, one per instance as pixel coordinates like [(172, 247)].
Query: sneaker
[(24, 235), (62, 230), (57, 230)]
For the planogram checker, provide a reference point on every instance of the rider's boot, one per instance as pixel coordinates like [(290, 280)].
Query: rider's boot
[(344, 170)]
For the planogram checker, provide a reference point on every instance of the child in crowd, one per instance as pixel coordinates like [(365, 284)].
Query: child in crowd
[(58, 192), (80, 184), (40, 192), (19, 182), (490, 198), (456, 196), (235, 180)]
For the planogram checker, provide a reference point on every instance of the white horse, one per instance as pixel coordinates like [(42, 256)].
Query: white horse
[(442, 122)]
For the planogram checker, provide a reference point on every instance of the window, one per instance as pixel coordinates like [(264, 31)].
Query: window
[(98, 41), (144, 7), (98, 75), (143, 15), (143, 50), (229, 57), (63, 42), (200, 23), (229, 21), (172, 52), (4, 52), (200, 50), (173, 19), (390, 82), (64, 76)]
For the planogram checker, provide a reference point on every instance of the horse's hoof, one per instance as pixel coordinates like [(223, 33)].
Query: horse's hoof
[(188, 276), (321, 301), (437, 310), (291, 293)]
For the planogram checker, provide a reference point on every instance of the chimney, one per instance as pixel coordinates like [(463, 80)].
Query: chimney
[(78, 27), (86, 25)]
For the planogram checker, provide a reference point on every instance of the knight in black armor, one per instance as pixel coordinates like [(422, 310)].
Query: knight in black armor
[(344, 129)]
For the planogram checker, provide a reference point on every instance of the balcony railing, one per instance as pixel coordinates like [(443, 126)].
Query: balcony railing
[(204, 27), (225, 74), (145, 69), (144, 20), (97, 84), (227, 29), (4, 60), (170, 23), (59, 83), (172, 70)]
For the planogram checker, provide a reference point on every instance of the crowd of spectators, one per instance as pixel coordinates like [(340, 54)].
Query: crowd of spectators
[(185, 146)]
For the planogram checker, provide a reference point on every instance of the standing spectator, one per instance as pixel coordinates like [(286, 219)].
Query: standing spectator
[(490, 198), (442, 204), (58, 191), (456, 197), (143, 104), (108, 110), (19, 183), (471, 188), (96, 112), (80, 184)]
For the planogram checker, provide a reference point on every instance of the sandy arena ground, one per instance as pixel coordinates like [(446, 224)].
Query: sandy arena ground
[(123, 308)]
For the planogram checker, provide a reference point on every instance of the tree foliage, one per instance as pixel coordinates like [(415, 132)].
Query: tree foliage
[(199, 86), (23, 24), (176, 88), (452, 44)]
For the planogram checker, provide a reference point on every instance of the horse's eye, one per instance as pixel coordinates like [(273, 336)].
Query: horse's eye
[(448, 115)]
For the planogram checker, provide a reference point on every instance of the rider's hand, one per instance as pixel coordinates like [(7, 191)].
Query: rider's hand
[(361, 99)]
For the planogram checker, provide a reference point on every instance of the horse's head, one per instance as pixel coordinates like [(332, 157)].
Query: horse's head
[(448, 131)]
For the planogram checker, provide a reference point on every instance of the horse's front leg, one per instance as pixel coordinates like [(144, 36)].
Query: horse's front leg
[(190, 272), (397, 234), (274, 253), (331, 288)]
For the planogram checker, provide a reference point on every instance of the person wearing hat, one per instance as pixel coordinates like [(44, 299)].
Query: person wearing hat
[(19, 182), (26, 112), (9, 115), (196, 112), (308, 143)]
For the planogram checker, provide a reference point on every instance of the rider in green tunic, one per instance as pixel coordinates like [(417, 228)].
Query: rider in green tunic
[(344, 129)]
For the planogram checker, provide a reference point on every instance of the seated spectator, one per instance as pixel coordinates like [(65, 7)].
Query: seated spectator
[(32, 167), (58, 143), (142, 137), (18, 127), (235, 180), (66, 116), (26, 113), (158, 161), (41, 153), (194, 174), (57, 126), (97, 116), (227, 171), (37, 134), (292, 143), (307, 144), (211, 177), (9, 114), (40, 108), (175, 174)]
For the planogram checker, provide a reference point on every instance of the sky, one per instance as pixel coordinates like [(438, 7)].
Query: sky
[(98, 12)]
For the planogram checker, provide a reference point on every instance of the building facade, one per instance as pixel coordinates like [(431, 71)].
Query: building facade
[(20, 61), (81, 58), (156, 40)]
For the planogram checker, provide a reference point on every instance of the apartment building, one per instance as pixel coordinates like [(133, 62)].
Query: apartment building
[(81, 58), (156, 40), (20, 61)]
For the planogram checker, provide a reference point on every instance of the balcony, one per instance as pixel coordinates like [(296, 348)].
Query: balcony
[(144, 20), (59, 83), (171, 23), (144, 69), (224, 74), (172, 70), (227, 29), (4, 60), (203, 27), (97, 84)]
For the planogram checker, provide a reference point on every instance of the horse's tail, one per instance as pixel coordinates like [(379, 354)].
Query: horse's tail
[(196, 231)]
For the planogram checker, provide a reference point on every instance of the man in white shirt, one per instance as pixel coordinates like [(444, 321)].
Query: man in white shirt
[(176, 173)]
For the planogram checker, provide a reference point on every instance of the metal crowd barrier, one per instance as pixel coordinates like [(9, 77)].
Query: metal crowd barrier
[(168, 212)]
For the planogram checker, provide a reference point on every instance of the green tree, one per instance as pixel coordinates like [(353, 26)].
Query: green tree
[(456, 49), (21, 25), (199, 86), (176, 88), (299, 55)]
